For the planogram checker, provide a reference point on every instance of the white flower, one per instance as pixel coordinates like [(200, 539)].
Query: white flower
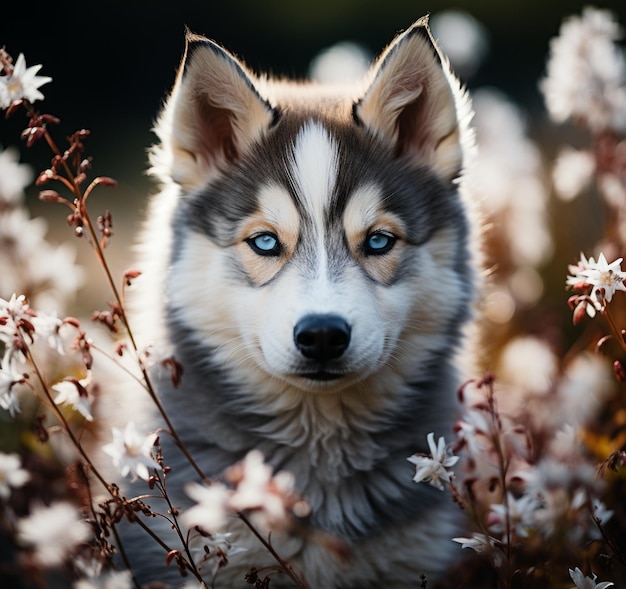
[(268, 498), (434, 470), (29, 263), (14, 177), (478, 542), (22, 82), (72, 392), (111, 580), (211, 512), (600, 511), (8, 398), (583, 582), (212, 552), (9, 402), (53, 532), (600, 275), (609, 277), (521, 514), (132, 452), (13, 311), (481, 543), (11, 474)]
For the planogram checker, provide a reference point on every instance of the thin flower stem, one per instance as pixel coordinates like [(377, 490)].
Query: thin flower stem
[(609, 541), (125, 369), (118, 540), (285, 565), (176, 526), (98, 247), (62, 419), (503, 470), (84, 455), (120, 302), (616, 332)]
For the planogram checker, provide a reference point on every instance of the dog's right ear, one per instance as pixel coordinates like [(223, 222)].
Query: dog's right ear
[(213, 115)]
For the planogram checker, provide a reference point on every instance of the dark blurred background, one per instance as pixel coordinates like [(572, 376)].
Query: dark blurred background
[(113, 62)]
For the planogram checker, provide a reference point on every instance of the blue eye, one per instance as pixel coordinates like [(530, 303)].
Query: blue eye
[(265, 244), (378, 243)]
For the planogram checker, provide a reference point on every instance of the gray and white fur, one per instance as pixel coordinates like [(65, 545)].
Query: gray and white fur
[(308, 262)]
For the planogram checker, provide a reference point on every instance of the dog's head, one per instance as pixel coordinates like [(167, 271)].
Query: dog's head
[(319, 237)]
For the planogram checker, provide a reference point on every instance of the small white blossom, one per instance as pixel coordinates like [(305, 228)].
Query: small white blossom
[(72, 392), (481, 543), (478, 542), (22, 82), (583, 582), (13, 311), (601, 276), (111, 580), (600, 511), (212, 509), (608, 277), (12, 475), (8, 398), (269, 498), (212, 552), (520, 515), (14, 177), (131, 452), (434, 469), (53, 532), (30, 263)]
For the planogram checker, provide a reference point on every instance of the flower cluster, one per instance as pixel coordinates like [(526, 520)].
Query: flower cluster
[(270, 500), (30, 264), (131, 452), (598, 281), (585, 84), (586, 71), (524, 476), (508, 178), (45, 355)]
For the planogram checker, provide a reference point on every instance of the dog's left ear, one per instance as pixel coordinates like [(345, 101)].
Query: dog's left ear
[(414, 103)]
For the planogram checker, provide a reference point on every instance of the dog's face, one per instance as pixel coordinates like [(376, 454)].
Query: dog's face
[(319, 238)]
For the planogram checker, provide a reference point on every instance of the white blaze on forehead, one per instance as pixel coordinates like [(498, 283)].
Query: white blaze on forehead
[(314, 169)]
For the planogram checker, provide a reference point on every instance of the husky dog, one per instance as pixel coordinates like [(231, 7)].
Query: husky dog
[(308, 263)]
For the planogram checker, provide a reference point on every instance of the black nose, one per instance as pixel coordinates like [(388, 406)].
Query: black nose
[(322, 337)]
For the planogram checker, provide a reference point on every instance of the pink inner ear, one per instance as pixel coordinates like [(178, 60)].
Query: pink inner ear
[(216, 136), (410, 126)]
